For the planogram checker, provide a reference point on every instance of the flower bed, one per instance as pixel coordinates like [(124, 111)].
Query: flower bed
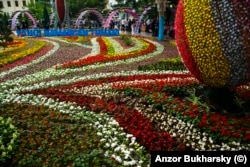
[(20, 51), (113, 119)]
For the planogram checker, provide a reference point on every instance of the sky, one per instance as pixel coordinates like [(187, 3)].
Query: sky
[(112, 1)]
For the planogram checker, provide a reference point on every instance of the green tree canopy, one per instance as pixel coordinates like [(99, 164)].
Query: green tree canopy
[(5, 31), (77, 5), (37, 8), (139, 5)]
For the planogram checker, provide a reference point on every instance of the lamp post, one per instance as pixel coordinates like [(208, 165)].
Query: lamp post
[(161, 7), (67, 14)]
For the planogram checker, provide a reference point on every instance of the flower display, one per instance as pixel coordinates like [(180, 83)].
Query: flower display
[(213, 39), (72, 112), (5, 59), (8, 139), (107, 53)]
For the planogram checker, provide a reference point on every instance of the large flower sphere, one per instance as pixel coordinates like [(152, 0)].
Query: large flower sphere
[(213, 38)]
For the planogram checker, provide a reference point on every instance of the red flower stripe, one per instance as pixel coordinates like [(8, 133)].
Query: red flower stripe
[(103, 56), (123, 78), (132, 121), (182, 42), (222, 124), (14, 43), (156, 85), (215, 122), (27, 59)]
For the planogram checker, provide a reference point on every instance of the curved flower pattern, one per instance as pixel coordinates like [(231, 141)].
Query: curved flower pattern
[(38, 60), (115, 117), (107, 54)]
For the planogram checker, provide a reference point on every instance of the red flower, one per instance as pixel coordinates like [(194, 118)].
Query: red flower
[(236, 135), (247, 137)]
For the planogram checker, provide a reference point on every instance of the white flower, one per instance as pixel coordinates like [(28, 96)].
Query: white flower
[(99, 133), (107, 145), (113, 145)]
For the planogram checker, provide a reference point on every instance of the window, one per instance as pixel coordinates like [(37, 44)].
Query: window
[(1, 4), (8, 3), (24, 3), (16, 3)]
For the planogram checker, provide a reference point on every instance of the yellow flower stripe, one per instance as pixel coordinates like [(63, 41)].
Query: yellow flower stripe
[(23, 53), (112, 53), (111, 50), (13, 48), (204, 43)]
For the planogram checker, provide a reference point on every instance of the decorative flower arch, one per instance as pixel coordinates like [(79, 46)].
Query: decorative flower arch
[(92, 11), (14, 18), (114, 12), (141, 17)]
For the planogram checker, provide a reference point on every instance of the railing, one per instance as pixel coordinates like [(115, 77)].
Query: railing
[(67, 32)]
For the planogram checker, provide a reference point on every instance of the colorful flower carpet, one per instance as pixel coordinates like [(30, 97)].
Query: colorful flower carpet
[(82, 102)]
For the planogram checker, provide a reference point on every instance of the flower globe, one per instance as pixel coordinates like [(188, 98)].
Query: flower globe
[(213, 38)]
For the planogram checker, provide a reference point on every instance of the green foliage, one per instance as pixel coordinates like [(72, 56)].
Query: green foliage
[(176, 91), (37, 8), (5, 32), (223, 100), (45, 18), (93, 158), (127, 39), (76, 6), (165, 64), (46, 136), (133, 92), (8, 139), (197, 99), (139, 6)]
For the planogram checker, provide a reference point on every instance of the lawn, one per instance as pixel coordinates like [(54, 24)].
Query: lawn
[(108, 101)]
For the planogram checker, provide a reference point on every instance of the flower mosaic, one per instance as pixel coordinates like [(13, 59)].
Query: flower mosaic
[(65, 117), (213, 40)]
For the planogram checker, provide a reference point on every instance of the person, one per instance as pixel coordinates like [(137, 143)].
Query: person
[(83, 23), (153, 27), (168, 14), (148, 22), (133, 24), (129, 26), (126, 25), (112, 25), (123, 25), (171, 32)]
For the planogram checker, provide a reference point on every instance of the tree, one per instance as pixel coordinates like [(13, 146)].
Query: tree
[(139, 6), (37, 8), (5, 31), (46, 20), (77, 5)]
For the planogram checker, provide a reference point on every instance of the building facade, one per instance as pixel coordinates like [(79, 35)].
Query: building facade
[(11, 6)]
